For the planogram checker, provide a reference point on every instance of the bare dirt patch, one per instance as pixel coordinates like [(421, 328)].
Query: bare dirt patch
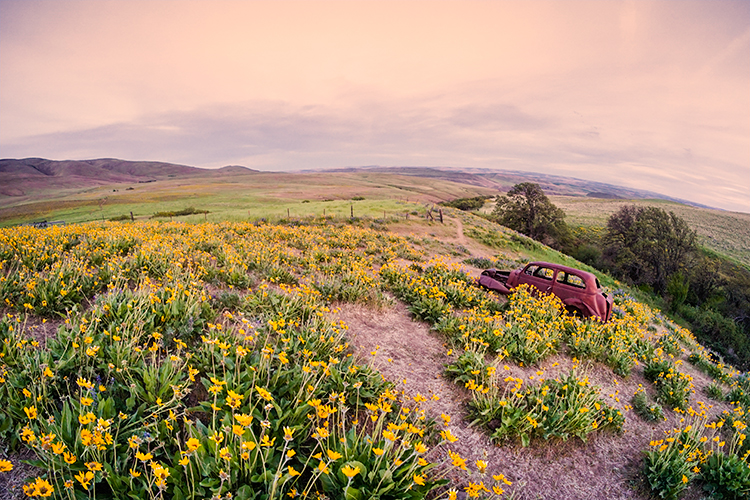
[(11, 483), (34, 327)]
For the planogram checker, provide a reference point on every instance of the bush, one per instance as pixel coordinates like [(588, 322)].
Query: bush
[(555, 409), (587, 253), (179, 213), (714, 391), (726, 476), (480, 262), (465, 204), (672, 386), (647, 411), (119, 218), (718, 332)]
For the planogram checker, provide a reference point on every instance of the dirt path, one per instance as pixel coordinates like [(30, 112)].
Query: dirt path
[(460, 233), (409, 354)]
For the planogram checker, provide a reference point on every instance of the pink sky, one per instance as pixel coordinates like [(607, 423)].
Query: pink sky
[(645, 94)]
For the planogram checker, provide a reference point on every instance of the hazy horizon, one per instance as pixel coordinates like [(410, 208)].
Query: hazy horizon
[(652, 95)]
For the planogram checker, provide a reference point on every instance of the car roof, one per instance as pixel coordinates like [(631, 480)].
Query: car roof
[(573, 270)]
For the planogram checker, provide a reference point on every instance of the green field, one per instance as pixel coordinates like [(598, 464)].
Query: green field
[(245, 196)]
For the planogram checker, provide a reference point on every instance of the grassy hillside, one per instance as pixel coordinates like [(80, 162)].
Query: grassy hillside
[(239, 196), (726, 233), (345, 358)]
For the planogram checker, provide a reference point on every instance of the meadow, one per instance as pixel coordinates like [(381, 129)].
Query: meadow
[(238, 197), (157, 359)]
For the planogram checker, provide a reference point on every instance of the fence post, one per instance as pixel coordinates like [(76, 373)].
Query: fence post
[(132, 219)]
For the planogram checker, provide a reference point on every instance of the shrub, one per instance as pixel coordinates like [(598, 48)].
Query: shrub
[(470, 365), (560, 409), (179, 213), (726, 476), (647, 411), (480, 262), (714, 391), (671, 463), (672, 386), (466, 204)]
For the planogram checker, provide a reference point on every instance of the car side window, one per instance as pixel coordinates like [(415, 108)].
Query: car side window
[(530, 270), (544, 272), (573, 280)]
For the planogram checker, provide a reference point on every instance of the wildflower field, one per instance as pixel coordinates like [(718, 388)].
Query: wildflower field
[(174, 360)]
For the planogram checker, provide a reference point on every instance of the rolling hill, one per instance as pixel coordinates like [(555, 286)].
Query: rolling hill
[(29, 177), (36, 189)]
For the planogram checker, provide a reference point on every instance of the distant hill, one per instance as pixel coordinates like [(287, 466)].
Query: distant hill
[(503, 180), (235, 169), (32, 176)]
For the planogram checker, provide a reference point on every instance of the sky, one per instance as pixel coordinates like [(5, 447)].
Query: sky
[(644, 94)]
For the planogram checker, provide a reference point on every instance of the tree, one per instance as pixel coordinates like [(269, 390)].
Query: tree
[(527, 209), (647, 245)]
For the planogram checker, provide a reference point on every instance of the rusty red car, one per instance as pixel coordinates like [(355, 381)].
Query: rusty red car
[(579, 290)]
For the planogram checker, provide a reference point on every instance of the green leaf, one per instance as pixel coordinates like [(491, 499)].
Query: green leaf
[(352, 494), (525, 440), (245, 493), (210, 482)]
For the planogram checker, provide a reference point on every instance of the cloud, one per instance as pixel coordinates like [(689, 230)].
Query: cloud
[(278, 135), (495, 117), (587, 88)]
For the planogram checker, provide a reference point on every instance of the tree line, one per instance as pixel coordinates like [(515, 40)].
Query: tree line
[(654, 250)]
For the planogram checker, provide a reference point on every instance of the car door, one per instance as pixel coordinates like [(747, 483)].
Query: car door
[(540, 277), (569, 286)]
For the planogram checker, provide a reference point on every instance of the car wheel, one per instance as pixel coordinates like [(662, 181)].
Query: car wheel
[(574, 311)]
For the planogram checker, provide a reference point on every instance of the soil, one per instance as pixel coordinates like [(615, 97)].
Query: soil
[(11, 483)]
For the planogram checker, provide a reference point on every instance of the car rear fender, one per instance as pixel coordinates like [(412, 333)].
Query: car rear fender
[(580, 305)]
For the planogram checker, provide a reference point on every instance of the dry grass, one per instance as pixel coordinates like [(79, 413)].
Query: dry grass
[(235, 196)]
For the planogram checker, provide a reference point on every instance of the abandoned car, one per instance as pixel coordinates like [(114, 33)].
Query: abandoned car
[(579, 290)]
